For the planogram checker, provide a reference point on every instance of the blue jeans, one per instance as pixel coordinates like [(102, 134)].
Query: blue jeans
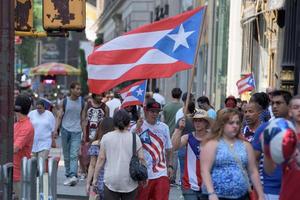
[(70, 145), (191, 194)]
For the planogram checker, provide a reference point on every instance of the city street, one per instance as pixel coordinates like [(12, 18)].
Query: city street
[(133, 87)]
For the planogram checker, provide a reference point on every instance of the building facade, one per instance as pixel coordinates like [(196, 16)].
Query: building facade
[(262, 44)]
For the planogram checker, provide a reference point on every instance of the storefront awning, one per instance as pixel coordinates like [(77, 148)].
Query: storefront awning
[(250, 13)]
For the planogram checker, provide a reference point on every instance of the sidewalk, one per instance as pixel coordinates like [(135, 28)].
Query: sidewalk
[(66, 192), (78, 191)]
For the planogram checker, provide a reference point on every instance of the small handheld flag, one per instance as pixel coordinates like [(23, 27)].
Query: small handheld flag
[(134, 94), (247, 83)]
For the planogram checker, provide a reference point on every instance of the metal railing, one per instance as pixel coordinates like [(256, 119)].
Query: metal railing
[(39, 179), (6, 184)]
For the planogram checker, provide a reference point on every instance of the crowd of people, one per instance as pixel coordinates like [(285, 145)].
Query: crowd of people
[(218, 153)]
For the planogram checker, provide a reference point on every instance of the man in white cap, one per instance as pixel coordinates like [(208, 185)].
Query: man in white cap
[(191, 180)]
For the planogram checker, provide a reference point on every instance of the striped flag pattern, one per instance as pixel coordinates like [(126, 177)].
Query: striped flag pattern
[(155, 147), (156, 50), (246, 83), (134, 94)]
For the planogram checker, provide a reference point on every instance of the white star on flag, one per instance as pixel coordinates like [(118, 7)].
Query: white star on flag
[(139, 92), (180, 38)]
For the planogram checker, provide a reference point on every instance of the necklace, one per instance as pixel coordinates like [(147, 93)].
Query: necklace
[(230, 144)]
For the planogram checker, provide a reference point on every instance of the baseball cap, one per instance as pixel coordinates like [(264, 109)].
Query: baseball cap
[(22, 104), (153, 105)]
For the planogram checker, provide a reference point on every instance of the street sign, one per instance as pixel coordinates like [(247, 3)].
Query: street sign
[(64, 15), (23, 15)]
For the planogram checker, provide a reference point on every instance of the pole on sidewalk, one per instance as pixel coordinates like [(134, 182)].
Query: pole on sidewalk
[(31, 178), (23, 178), (7, 182), (6, 80), (52, 171), (28, 179), (6, 94), (41, 171)]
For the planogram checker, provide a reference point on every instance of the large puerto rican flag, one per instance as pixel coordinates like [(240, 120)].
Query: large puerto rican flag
[(246, 83), (156, 50), (134, 94)]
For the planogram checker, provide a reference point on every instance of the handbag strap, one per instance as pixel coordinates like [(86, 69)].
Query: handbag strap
[(134, 143), (239, 162)]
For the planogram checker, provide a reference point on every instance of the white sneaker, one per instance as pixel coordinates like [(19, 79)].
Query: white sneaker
[(73, 181), (67, 182)]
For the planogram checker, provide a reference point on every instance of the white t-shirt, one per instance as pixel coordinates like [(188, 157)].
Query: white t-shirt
[(179, 115), (159, 98), (155, 140), (112, 105), (118, 152), (44, 125)]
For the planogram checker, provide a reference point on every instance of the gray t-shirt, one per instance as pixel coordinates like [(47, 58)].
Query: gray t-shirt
[(118, 152), (71, 119)]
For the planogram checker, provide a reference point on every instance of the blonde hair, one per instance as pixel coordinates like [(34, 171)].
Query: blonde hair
[(223, 117)]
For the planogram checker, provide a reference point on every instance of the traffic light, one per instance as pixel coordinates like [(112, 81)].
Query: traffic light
[(23, 15), (63, 15)]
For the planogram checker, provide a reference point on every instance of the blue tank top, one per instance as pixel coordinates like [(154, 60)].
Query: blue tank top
[(227, 177)]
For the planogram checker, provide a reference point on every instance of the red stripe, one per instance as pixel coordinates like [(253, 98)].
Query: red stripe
[(240, 84), (185, 179), (157, 139), (168, 23), (126, 89), (130, 103), (160, 155), (246, 89), (289, 138), (138, 72), (115, 57), (153, 157), (244, 77), (198, 173), (160, 143)]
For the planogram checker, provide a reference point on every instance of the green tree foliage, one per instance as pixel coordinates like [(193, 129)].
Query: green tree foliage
[(38, 16), (26, 51)]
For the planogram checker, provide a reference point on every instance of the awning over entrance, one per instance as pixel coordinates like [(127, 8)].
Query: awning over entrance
[(250, 13)]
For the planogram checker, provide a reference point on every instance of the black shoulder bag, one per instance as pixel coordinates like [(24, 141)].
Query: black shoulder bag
[(137, 171)]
